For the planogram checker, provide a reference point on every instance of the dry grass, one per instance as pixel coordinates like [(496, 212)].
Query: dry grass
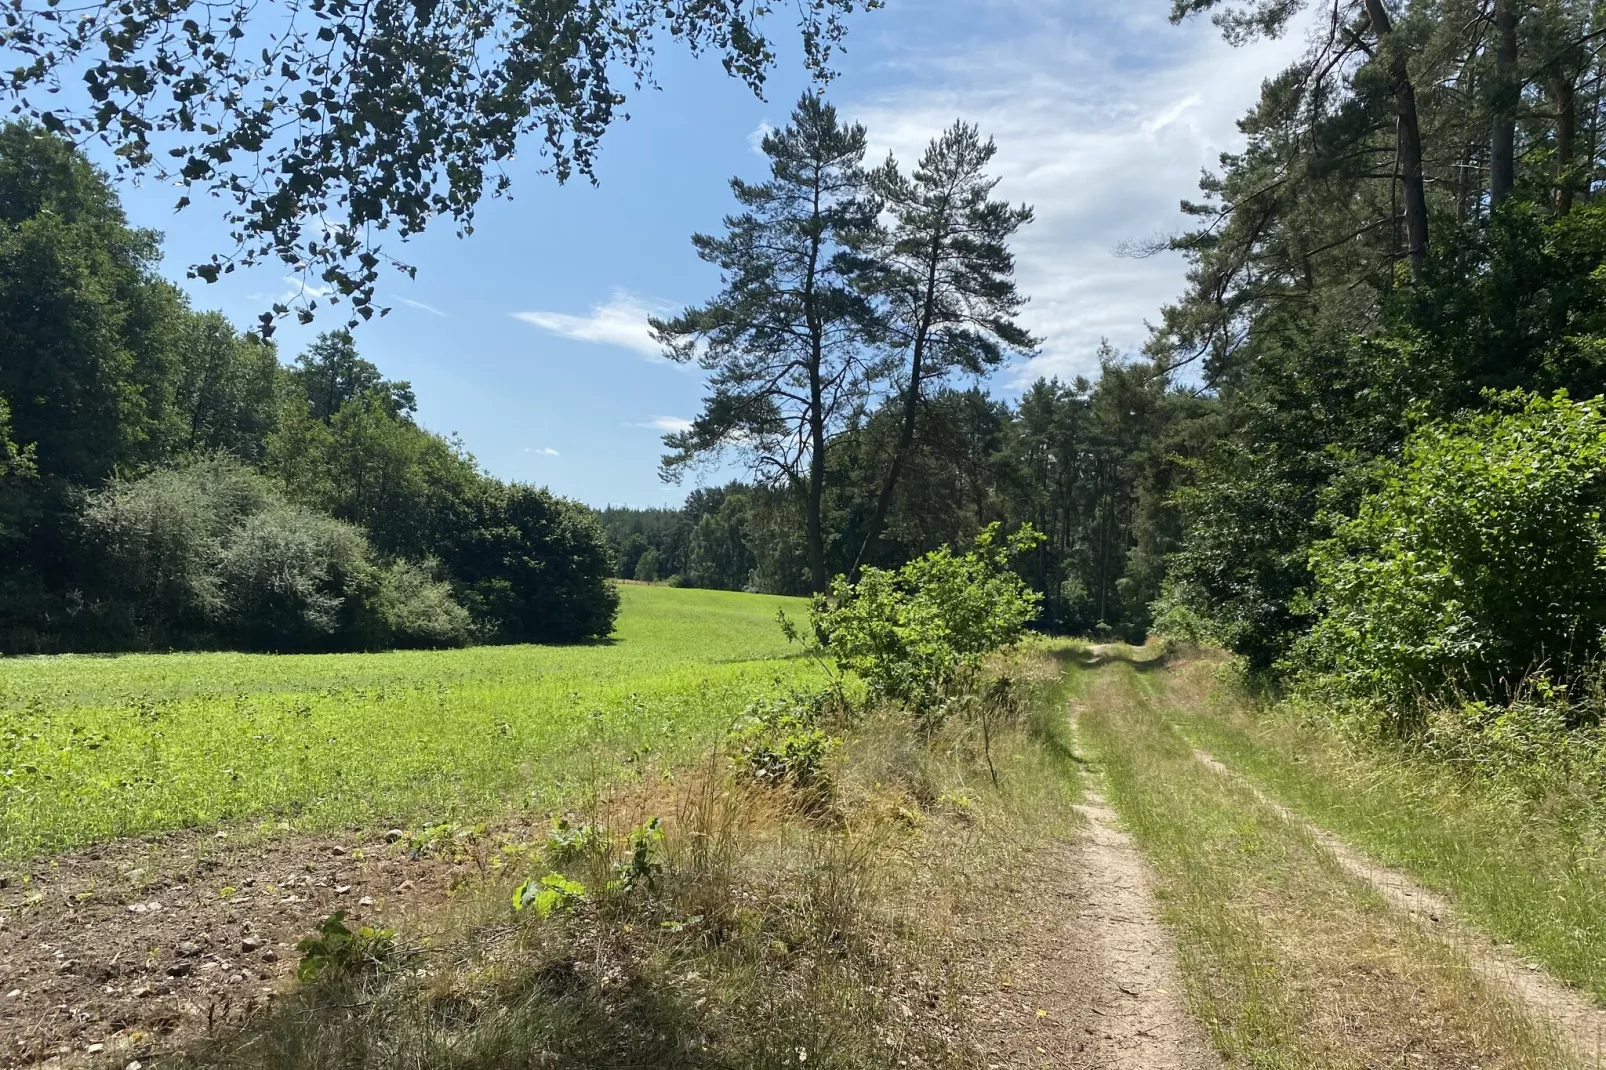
[(776, 932), (1288, 960)]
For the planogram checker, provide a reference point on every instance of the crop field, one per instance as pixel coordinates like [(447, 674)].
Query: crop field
[(97, 747)]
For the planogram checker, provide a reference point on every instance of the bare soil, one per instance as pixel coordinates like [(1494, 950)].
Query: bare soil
[(113, 954)]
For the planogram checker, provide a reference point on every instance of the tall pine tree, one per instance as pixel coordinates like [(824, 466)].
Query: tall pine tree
[(785, 341), (945, 275)]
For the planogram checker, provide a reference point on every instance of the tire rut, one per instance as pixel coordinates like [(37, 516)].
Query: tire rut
[(1137, 1016), (1576, 1020), (1137, 991)]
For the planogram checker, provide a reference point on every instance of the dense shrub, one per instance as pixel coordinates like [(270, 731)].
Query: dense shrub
[(417, 610), (532, 567), (211, 553), (297, 580), (918, 635), (159, 542), (1543, 745), (1479, 559)]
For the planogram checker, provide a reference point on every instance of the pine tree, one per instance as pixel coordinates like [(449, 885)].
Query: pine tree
[(945, 275), (785, 341)]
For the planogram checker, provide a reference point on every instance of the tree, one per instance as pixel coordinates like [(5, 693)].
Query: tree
[(85, 325), (532, 567), (342, 119), (331, 373), (945, 274), (1387, 52), (718, 555), (226, 389), (16, 469), (785, 340)]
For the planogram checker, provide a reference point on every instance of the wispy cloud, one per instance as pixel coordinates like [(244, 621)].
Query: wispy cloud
[(755, 140), (665, 424), (295, 289), (1103, 128), (431, 309), (305, 288), (619, 321), (546, 451)]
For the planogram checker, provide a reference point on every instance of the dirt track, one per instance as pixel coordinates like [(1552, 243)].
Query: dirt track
[(1580, 1023)]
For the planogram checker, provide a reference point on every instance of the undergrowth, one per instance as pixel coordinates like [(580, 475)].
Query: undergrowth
[(788, 901)]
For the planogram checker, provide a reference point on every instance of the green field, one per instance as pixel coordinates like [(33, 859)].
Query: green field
[(97, 747)]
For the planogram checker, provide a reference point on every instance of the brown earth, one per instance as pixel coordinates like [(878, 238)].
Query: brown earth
[(113, 954)]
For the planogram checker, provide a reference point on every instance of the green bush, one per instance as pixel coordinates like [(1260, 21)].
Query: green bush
[(919, 635), (295, 580), (160, 541), (532, 567), (211, 553), (417, 610), (1543, 746), (780, 742), (1479, 559)]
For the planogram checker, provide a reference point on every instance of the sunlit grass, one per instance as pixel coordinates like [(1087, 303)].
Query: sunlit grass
[(1289, 961), (1531, 873), (98, 747)]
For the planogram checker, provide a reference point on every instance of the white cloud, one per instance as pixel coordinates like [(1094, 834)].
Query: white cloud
[(1103, 130), (547, 451), (299, 288), (755, 140), (665, 424), (619, 321), (431, 309)]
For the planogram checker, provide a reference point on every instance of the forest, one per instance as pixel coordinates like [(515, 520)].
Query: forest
[(169, 483)]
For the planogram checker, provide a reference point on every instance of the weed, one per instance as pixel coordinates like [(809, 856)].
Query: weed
[(779, 741), (566, 844), (552, 894), (639, 868), (337, 952)]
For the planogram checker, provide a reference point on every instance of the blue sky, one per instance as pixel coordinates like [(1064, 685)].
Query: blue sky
[(529, 340)]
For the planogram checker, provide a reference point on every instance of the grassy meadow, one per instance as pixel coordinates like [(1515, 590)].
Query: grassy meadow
[(97, 747)]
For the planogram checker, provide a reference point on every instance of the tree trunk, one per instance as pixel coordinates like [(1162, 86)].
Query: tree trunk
[(816, 501), (1566, 142), (1410, 141), (911, 405), (1503, 138), (816, 532), (906, 435)]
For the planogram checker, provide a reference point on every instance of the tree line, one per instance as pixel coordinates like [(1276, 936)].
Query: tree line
[(1090, 464), (1393, 310), (166, 482)]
